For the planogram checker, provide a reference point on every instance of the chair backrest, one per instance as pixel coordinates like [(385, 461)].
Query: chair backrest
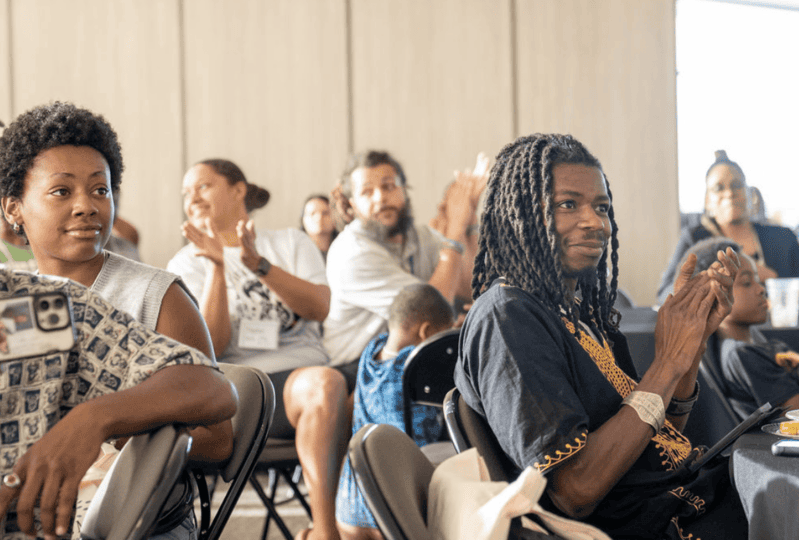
[(133, 492), (468, 429), (250, 428), (393, 474), (712, 416), (429, 373)]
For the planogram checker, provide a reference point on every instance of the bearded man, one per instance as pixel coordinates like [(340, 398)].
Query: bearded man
[(382, 251)]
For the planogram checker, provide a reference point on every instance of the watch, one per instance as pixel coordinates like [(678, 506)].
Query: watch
[(263, 268), (454, 245)]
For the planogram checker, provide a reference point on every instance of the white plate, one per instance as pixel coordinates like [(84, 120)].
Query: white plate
[(793, 415), (774, 429)]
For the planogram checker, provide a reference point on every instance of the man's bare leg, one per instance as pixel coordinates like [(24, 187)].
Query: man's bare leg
[(316, 405)]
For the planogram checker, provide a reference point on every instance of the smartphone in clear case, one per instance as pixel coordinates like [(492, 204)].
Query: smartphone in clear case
[(35, 325)]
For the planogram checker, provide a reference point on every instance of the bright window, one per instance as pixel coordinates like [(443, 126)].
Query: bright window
[(738, 90)]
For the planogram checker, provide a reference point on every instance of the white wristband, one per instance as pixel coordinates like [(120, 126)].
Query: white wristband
[(649, 407)]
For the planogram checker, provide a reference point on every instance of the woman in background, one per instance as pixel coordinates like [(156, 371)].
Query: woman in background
[(317, 222), (263, 297), (774, 249)]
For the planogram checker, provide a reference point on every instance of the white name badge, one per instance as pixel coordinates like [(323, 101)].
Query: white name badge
[(262, 335)]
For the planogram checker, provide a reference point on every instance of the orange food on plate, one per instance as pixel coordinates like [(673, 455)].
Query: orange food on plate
[(789, 428)]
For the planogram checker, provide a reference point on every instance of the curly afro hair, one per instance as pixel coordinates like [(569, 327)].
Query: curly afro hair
[(48, 126)]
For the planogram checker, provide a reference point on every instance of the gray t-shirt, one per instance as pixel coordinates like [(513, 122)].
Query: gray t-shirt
[(135, 287)]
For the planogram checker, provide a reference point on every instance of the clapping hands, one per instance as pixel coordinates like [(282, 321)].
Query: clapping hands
[(208, 242), (722, 275), (457, 209), (246, 233), (471, 182), (690, 315)]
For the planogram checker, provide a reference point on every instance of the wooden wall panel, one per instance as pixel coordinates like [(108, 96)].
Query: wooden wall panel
[(605, 72), (266, 86), (431, 84), (120, 59), (5, 63)]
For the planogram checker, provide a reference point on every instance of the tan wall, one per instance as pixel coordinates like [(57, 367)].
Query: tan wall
[(266, 86), (431, 82), (605, 72), (5, 63), (120, 58), (286, 88)]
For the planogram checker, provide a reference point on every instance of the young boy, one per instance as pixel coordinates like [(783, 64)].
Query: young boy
[(755, 370), (417, 312)]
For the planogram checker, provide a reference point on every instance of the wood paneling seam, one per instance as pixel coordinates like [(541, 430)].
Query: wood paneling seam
[(11, 104), (184, 145), (349, 82), (514, 70)]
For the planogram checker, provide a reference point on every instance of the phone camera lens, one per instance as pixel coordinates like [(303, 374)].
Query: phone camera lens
[(44, 305), (54, 319), (58, 303)]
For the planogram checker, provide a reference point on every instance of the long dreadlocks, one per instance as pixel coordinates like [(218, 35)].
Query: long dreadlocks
[(517, 233)]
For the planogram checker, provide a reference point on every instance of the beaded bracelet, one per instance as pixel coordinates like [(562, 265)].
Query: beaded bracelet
[(649, 407)]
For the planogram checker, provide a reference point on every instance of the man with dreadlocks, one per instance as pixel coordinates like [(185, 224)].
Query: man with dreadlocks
[(543, 361)]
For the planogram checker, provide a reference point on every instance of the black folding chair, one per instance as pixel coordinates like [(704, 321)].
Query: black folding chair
[(468, 429), (250, 429), (712, 416), (129, 499), (428, 373), (393, 474), (427, 376), (279, 459)]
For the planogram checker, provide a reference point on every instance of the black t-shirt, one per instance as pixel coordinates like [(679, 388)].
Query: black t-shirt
[(752, 376), (544, 387)]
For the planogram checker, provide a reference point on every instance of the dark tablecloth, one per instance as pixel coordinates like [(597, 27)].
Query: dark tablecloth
[(768, 486), (638, 326)]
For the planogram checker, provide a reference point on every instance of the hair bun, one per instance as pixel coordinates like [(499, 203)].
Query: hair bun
[(256, 197), (722, 159)]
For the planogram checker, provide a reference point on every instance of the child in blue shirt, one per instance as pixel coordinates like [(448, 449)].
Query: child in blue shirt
[(417, 312)]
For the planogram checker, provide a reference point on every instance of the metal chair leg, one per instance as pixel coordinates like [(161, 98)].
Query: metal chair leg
[(271, 511), (288, 476)]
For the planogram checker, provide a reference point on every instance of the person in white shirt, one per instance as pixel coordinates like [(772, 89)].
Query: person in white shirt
[(382, 250), (263, 297)]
